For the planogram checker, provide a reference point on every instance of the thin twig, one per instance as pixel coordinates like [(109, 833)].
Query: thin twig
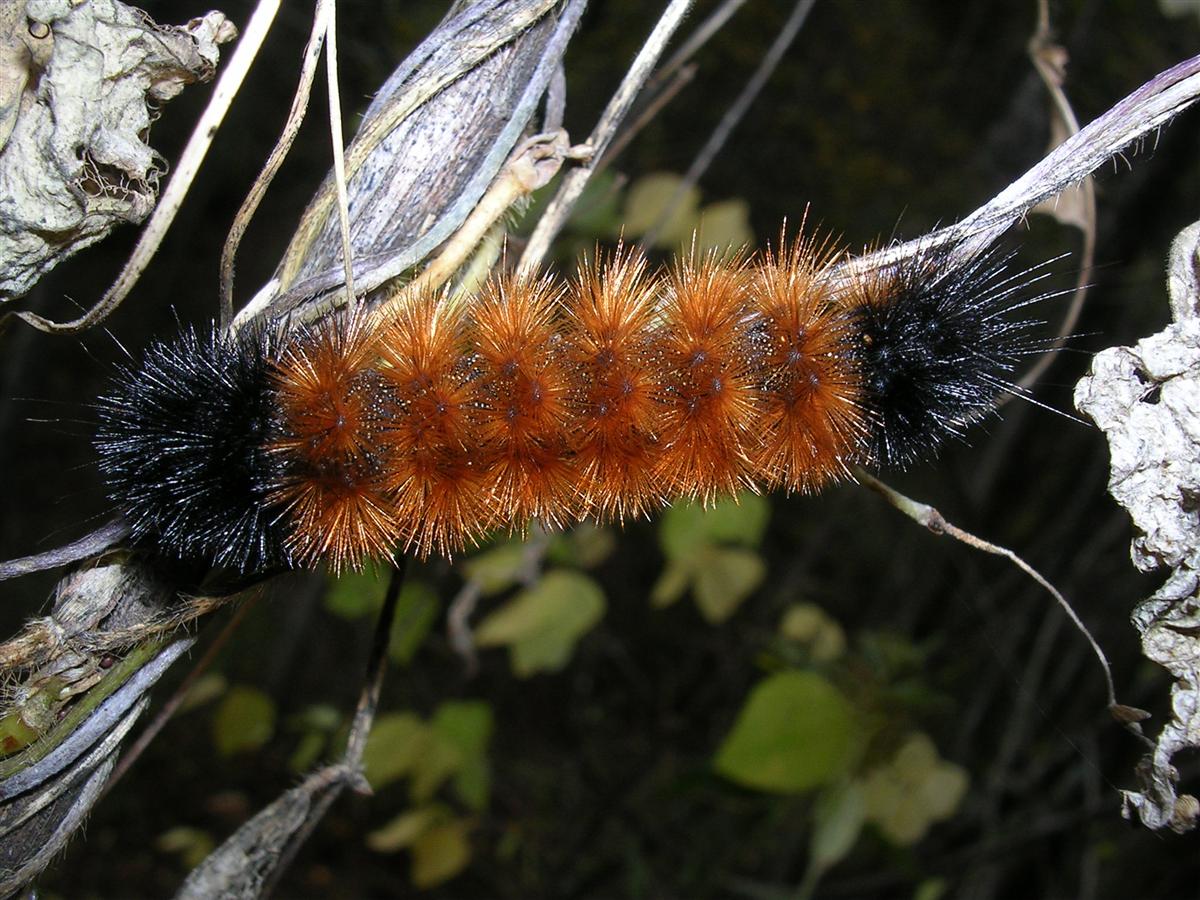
[(732, 116), (176, 190), (350, 767), (670, 79), (103, 538), (458, 624), (1041, 53), (327, 9), (926, 515), (572, 185), (368, 701), (462, 607), (300, 100)]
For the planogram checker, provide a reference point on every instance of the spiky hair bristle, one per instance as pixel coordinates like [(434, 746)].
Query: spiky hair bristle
[(935, 346), (522, 389), (333, 405), (617, 394), (709, 398), (437, 477), (183, 441), (812, 421)]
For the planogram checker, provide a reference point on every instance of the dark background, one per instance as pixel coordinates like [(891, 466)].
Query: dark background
[(888, 117)]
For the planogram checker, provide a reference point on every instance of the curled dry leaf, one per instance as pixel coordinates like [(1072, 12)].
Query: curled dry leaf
[(78, 86), (1144, 398)]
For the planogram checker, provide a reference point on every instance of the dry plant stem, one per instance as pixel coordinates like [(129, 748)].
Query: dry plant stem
[(172, 197), (97, 722), (312, 294), (1149, 107), (572, 185), (350, 768), (926, 515), (368, 701), (555, 108), (1052, 78), (532, 166), (458, 625), (300, 100), (733, 115), (103, 538), (173, 703), (38, 640), (373, 131), (327, 12)]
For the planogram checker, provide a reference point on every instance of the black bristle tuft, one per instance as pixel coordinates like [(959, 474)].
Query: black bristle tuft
[(183, 443), (936, 349)]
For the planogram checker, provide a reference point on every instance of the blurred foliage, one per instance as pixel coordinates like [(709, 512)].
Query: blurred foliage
[(541, 625), (709, 552), (244, 720), (449, 748), (796, 732), (613, 740)]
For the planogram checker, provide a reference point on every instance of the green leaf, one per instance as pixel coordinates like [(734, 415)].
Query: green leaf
[(416, 611), (395, 747), (649, 198), (737, 520), (403, 830), (307, 751), (838, 817), (795, 732), (316, 717), (467, 725), (917, 788), (245, 720), (542, 624), (440, 853), (725, 227), (722, 578), (932, 889), (317, 725), (355, 594), (496, 569), (672, 583), (473, 783)]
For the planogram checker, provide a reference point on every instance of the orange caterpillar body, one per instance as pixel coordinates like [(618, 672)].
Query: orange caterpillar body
[(608, 398)]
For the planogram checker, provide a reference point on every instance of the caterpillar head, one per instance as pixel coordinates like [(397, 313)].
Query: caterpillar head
[(183, 441), (935, 349)]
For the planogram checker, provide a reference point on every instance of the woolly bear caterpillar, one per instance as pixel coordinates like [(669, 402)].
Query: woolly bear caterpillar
[(607, 396)]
